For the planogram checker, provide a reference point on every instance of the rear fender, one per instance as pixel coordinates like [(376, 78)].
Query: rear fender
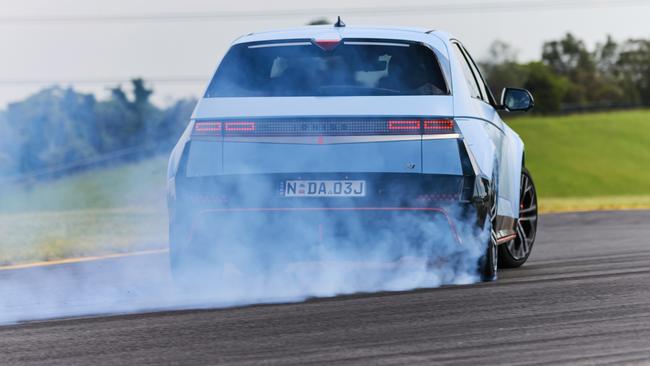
[(482, 140), (174, 163), (177, 151), (511, 164), (493, 148)]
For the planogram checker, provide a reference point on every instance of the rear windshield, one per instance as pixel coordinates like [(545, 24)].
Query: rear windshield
[(351, 68)]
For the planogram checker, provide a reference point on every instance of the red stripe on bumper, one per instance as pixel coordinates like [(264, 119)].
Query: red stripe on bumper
[(451, 223)]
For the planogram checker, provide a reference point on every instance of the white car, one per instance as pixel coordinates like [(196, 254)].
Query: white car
[(324, 124)]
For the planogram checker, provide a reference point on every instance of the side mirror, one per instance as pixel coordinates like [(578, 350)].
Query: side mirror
[(517, 100)]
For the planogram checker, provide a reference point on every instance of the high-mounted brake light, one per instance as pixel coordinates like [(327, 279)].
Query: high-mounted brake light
[(327, 44), (404, 125)]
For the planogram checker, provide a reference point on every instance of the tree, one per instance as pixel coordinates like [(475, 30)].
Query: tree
[(633, 68), (606, 55), (501, 52), (319, 21), (569, 57), (125, 122), (607, 86), (117, 122), (501, 68), (547, 87), (59, 127), (7, 146), (52, 127), (148, 115)]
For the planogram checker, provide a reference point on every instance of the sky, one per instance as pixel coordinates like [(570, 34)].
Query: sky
[(95, 44)]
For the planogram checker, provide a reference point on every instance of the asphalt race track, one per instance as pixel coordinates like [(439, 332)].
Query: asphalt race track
[(583, 298)]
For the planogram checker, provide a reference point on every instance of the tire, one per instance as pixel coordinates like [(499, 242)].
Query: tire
[(184, 264), (488, 263), (190, 273), (178, 267), (192, 268), (515, 252)]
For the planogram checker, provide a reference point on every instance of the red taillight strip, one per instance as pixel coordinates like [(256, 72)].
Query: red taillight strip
[(438, 124), (239, 126), (279, 127), (442, 211), (402, 125), (207, 126)]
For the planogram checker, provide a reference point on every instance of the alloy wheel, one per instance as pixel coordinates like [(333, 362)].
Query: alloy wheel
[(520, 247)]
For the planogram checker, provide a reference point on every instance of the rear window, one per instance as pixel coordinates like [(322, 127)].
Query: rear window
[(352, 68)]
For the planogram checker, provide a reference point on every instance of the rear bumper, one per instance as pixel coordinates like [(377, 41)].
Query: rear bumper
[(233, 208), (322, 217), (309, 233)]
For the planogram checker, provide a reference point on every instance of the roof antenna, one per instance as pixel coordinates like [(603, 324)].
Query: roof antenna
[(339, 23)]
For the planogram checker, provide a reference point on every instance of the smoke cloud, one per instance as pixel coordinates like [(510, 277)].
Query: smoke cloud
[(242, 257), (247, 258), (326, 254), (234, 258)]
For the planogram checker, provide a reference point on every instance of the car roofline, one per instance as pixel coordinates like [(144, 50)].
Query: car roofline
[(406, 33)]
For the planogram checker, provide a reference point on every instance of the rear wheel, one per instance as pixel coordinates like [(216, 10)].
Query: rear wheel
[(179, 267), (186, 265), (191, 272), (178, 259), (515, 252)]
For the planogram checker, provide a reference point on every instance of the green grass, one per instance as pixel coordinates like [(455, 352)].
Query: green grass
[(599, 203), (579, 162), (139, 184), (588, 155), (115, 209), (49, 235)]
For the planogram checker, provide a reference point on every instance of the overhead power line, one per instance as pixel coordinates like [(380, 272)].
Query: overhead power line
[(446, 8), (103, 81)]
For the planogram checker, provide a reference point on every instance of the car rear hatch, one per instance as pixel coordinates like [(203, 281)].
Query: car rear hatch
[(388, 134), (407, 149)]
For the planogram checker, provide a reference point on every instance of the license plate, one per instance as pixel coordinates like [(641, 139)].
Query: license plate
[(325, 188)]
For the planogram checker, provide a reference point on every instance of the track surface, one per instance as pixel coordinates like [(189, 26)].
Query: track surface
[(583, 298)]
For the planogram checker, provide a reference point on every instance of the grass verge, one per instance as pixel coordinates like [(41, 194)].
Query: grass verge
[(112, 210), (606, 203), (51, 235)]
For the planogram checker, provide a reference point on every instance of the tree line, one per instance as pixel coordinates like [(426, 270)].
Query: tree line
[(571, 77), (63, 128)]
